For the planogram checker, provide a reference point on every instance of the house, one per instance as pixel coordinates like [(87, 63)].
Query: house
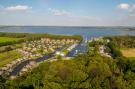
[(62, 54), (24, 70), (1, 72), (57, 53), (32, 63), (13, 77)]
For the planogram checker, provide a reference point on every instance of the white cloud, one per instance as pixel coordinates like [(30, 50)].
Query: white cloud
[(123, 6), (59, 12), (17, 8), (129, 8)]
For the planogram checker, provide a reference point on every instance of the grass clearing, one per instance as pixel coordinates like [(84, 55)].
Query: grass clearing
[(131, 58), (7, 57), (128, 52), (7, 39)]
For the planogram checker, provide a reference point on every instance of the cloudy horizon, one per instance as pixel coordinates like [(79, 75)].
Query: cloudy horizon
[(68, 13)]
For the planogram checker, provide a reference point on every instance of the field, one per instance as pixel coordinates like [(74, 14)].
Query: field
[(7, 39), (131, 58), (128, 52), (7, 57)]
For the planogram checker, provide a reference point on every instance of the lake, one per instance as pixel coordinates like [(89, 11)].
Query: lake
[(86, 32)]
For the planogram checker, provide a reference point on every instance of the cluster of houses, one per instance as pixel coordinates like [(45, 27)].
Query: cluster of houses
[(102, 51), (29, 66), (102, 48), (26, 68), (9, 67), (99, 39), (68, 49), (71, 47), (36, 49), (96, 39)]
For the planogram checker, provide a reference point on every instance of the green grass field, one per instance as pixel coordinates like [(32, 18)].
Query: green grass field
[(7, 39), (128, 52), (131, 58), (7, 57)]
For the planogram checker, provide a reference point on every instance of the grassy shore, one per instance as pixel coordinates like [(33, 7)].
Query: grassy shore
[(31, 36), (7, 39)]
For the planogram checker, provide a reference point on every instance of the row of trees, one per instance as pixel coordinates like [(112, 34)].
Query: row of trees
[(38, 36), (114, 49), (123, 41)]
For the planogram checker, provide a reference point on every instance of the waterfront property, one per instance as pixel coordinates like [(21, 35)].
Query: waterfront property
[(102, 49), (32, 50), (46, 46)]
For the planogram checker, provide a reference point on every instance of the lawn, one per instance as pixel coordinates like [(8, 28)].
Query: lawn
[(131, 58), (128, 52), (9, 56), (7, 39)]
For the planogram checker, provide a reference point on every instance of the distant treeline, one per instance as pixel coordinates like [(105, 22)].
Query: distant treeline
[(1, 27), (27, 37), (36, 36), (131, 29), (123, 41)]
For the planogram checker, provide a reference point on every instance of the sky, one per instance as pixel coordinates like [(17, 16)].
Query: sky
[(68, 12)]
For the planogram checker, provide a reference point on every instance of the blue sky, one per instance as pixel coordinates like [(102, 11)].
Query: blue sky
[(68, 12)]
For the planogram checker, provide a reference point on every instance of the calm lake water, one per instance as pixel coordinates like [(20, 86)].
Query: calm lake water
[(86, 32)]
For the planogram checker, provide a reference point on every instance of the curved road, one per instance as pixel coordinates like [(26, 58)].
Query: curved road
[(19, 67)]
